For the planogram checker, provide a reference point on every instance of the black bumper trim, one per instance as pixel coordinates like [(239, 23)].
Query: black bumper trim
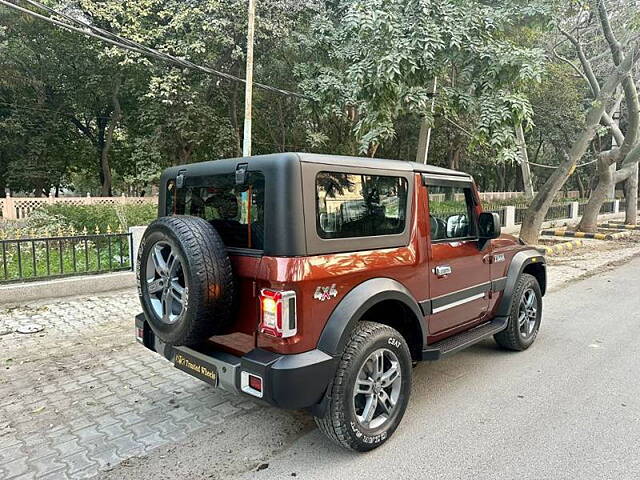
[(290, 381)]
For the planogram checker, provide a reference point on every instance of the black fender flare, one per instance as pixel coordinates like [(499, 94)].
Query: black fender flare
[(518, 263), (354, 304)]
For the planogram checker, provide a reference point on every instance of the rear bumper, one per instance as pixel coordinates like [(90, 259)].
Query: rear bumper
[(289, 381)]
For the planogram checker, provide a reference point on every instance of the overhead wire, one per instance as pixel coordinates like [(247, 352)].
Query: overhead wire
[(131, 45)]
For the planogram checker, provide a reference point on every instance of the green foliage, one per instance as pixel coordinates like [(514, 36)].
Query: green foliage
[(367, 67), (102, 216), (382, 56)]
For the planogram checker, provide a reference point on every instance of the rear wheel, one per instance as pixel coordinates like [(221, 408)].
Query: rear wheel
[(525, 315), (370, 390)]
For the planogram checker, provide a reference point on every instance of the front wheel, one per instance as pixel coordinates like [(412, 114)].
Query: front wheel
[(371, 388), (525, 315)]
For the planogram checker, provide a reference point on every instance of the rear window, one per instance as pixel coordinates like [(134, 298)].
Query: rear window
[(236, 211), (351, 205)]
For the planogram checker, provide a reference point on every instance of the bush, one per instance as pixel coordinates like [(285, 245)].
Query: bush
[(101, 216)]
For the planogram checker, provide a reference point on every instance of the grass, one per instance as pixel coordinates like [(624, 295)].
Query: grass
[(79, 255)]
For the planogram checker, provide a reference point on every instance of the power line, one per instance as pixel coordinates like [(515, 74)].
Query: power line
[(127, 44), (552, 166)]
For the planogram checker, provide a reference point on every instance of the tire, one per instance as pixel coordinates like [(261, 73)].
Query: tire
[(189, 297), (341, 422), (520, 335)]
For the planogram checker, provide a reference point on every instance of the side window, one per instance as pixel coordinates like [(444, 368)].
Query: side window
[(450, 213), (350, 205)]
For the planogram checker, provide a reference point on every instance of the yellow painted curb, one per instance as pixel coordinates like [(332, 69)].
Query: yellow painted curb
[(559, 248), (597, 236), (620, 226)]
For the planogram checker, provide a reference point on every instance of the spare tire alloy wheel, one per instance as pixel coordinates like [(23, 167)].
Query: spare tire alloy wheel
[(185, 280), (166, 282)]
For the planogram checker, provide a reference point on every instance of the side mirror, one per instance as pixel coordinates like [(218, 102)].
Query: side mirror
[(489, 226)]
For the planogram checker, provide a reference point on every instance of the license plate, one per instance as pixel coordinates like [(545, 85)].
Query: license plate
[(198, 367)]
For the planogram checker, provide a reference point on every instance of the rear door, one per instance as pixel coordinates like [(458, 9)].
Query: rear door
[(459, 272), (236, 209)]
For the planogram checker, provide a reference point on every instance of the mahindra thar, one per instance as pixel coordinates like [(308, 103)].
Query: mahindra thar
[(317, 281)]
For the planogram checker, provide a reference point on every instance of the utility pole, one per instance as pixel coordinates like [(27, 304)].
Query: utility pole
[(424, 138), (248, 91), (524, 162)]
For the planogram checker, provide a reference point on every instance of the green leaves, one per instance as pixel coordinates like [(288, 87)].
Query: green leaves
[(392, 49)]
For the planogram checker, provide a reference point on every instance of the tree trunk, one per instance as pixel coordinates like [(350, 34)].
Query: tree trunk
[(589, 220), (631, 197), (106, 190), (455, 152), (581, 190), (524, 162), (542, 201)]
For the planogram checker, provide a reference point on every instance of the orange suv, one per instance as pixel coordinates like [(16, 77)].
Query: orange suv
[(316, 281)]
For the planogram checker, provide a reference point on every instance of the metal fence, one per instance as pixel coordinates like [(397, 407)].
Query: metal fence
[(558, 211), (607, 207), (24, 259), (499, 211)]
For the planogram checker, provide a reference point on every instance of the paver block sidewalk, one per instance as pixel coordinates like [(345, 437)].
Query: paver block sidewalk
[(82, 395)]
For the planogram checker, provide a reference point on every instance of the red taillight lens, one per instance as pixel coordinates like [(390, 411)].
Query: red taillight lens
[(255, 383), (278, 313)]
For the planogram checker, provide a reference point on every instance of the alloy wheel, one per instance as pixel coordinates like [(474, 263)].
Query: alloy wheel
[(528, 313), (166, 283), (377, 388)]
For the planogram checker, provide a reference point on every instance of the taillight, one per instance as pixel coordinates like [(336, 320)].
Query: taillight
[(278, 313), (140, 334)]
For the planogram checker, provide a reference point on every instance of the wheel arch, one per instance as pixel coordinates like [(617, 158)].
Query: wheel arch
[(526, 261), (539, 271), (374, 300)]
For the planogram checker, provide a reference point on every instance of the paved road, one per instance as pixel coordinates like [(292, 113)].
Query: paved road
[(568, 408)]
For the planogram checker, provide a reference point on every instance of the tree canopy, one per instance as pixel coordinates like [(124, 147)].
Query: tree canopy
[(79, 114)]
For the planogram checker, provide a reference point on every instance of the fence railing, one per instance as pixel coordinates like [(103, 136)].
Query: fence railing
[(15, 208), (23, 259), (493, 196), (558, 211)]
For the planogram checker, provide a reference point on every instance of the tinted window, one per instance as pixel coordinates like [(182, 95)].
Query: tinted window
[(360, 205), (236, 211), (450, 213)]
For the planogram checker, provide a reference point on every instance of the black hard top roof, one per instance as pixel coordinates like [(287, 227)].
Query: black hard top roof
[(260, 161), (366, 162)]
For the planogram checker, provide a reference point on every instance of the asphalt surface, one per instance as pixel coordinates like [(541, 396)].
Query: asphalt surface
[(567, 408)]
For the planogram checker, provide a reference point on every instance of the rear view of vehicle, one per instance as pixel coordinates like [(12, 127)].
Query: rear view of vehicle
[(212, 302), (316, 281)]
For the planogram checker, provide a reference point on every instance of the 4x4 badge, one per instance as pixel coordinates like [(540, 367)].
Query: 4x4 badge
[(325, 293)]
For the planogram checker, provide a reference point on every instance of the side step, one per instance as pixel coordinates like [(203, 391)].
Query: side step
[(458, 342)]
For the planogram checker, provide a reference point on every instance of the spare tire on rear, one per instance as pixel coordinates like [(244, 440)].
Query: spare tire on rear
[(185, 281)]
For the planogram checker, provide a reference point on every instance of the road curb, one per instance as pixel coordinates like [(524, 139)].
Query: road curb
[(21, 293), (552, 250), (620, 226), (596, 236)]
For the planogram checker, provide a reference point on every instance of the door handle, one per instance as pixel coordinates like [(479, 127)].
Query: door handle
[(442, 270)]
